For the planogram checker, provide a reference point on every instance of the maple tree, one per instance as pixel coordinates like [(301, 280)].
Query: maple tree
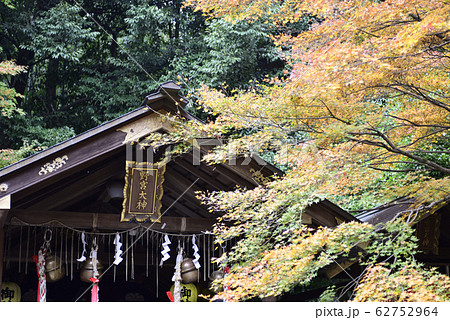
[(8, 96), (410, 284), (8, 106), (361, 117)]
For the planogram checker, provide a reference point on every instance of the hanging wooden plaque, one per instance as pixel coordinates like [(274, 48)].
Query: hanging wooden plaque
[(143, 191)]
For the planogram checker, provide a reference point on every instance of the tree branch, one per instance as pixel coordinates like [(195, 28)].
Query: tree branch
[(414, 124), (415, 92), (391, 147)]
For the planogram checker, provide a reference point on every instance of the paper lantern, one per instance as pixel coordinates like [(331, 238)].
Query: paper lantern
[(189, 292), (10, 292)]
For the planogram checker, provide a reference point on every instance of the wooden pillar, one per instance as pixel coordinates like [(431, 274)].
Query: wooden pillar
[(3, 215), (5, 205)]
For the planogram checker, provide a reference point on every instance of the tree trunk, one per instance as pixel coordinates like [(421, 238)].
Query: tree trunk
[(51, 84), (19, 82)]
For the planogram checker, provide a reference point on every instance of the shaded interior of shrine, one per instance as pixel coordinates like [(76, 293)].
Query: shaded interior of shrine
[(90, 200)]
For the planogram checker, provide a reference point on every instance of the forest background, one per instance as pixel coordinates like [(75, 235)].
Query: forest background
[(81, 72), (349, 98)]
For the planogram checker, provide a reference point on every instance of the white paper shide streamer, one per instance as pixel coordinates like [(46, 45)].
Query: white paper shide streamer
[(83, 240), (165, 252), (177, 277), (196, 254), (117, 256)]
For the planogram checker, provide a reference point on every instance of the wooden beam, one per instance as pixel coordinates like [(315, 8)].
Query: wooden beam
[(107, 221), (327, 214), (78, 188), (195, 170), (321, 217), (306, 218), (180, 184), (5, 203), (182, 181), (243, 170), (240, 166), (236, 178), (196, 155), (188, 198), (172, 202)]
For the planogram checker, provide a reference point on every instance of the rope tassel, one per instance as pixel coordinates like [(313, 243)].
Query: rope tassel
[(94, 292), (40, 266), (94, 279)]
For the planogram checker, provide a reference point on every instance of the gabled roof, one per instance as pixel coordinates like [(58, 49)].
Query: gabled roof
[(166, 98), (73, 175), (384, 213), (70, 180), (398, 207), (326, 213)]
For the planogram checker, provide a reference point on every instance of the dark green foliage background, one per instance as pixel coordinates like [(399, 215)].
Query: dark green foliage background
[(91, 61)]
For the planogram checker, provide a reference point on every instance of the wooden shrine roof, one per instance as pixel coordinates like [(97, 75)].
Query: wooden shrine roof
[(68, 182)]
